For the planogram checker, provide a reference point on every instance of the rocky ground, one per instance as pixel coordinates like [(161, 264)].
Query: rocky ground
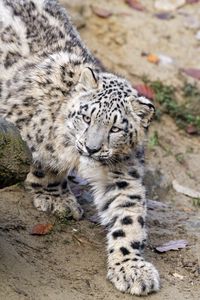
[(70, 262)]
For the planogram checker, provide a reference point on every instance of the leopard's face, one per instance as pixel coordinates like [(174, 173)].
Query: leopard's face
[(105, 129), (107, 119)]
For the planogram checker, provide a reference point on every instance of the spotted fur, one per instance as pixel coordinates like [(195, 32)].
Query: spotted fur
[(75, 116)]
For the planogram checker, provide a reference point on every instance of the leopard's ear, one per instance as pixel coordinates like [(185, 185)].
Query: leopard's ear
[(144, 109), (88, 80)]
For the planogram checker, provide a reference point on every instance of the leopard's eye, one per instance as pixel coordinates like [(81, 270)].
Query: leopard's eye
[(86, 119), (115, 129)]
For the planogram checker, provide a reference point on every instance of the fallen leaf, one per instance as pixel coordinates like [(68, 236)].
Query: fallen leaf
[(145, 90), (191, 129), (152, 58), (41, 229), (185, 190), (172, 245), (135, 4), (101, 12), (195, 73)]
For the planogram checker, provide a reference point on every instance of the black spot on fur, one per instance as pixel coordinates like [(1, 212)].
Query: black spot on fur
[(142, 246), (39, 174), (71, 74), (109, 201), (69, 83), (125, 260), (141, 221), (110, 187), (111, 251), (124, 251), (33, 149), (43, 120), (39, 138), (112, 222), (127, 220), (122, 184), (136, 197), (93, 110), (134, 259), (55, 172), (118, 233), (64, 184), (134, 174), (115, 119), (11, 58), (49, 147), (73, 114), (131, 137), (54, 184), (51, 190), (127, 204), (143, 287), (125, 121), (36, 185), (142, 266), (135, 245), (118, 173)]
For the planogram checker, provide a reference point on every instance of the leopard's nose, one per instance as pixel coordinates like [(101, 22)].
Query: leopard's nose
[(92, 150)]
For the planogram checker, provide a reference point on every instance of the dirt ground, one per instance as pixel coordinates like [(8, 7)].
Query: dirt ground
[(70, 262)]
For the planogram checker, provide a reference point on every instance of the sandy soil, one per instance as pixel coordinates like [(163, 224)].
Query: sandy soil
[(70, 263)]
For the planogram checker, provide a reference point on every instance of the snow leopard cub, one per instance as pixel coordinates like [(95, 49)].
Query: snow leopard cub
[(75, 116)]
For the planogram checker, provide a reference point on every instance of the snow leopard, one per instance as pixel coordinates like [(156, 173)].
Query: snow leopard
[(76, 116)]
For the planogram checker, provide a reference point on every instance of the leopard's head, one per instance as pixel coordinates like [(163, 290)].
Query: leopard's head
[(108, 116)]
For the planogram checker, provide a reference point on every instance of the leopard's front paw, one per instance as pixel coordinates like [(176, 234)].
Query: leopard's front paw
[(137, 278), (58, 205)]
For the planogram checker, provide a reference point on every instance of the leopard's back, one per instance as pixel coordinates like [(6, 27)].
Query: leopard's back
[(30, 30)]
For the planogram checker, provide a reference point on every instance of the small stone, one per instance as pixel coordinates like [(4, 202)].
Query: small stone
[(192, 22), (198, 35), (191, 129), (179, 276), (169, 5), (165, 60)]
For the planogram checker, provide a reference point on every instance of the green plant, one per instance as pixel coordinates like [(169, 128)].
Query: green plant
[(184, 114), (153, 140), (196, 202)]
